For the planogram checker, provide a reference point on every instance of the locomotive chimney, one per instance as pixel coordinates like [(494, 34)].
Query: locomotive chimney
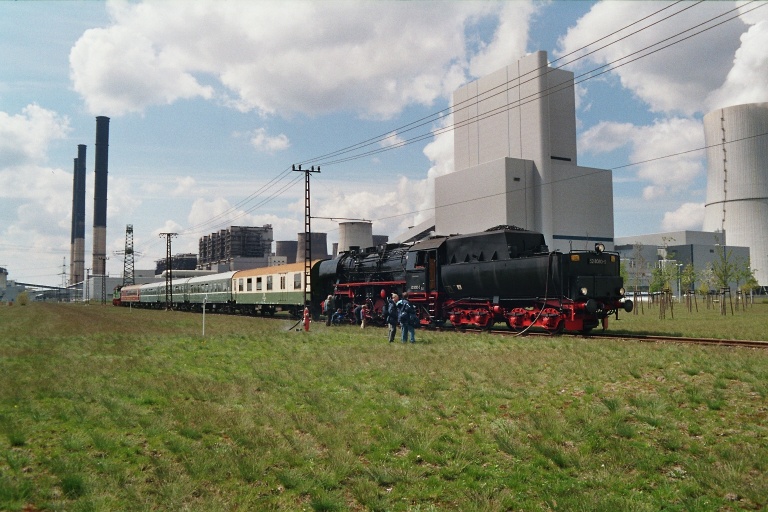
[(77, 253), (100, 197)]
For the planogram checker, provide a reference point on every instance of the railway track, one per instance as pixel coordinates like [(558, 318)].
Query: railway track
[(657, 339)]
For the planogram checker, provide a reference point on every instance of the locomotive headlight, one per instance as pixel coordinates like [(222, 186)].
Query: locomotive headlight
[(599, 247), (583, 290), (622, 291)]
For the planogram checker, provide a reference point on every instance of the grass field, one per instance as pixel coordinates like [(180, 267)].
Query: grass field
[(105, 408)]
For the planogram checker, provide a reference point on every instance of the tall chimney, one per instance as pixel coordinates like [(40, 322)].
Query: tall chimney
[(77, 254), (100, 197)]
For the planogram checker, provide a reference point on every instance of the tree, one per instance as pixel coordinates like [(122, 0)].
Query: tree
[(724, 268)]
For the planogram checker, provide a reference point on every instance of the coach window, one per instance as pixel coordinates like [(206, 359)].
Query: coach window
[(282, 282), (258, 284), (240, 284), (297, 281), (269, 283), (249, 284)]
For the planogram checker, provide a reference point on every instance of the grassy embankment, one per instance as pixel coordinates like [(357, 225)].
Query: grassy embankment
[(104, 408)]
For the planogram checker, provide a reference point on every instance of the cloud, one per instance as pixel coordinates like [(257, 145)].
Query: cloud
[(509, 40), (646, 143), (689, 216), (263, 142), (674, 80), (24, 138), (371, 58), (747, 81)]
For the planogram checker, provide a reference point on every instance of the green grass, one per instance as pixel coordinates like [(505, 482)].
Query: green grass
[(105, 408)]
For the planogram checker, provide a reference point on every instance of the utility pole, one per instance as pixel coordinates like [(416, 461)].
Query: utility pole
[(63, 277), (103, 278), (128, 276), (307, 229), (87, 290), (168, 271)]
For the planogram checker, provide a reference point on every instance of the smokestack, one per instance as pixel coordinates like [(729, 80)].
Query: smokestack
[(77, 254), (100, 197)]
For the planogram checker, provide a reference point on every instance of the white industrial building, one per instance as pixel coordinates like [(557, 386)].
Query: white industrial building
[(515, 162), (737, 179), (640, 254)]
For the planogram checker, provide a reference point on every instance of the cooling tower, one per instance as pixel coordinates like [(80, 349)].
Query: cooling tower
[(287, 248), (100, 197), (355, 235), (319, 246), (737, 179), (77, 251)]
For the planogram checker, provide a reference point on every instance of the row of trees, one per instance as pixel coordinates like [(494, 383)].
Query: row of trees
[(716, 275)]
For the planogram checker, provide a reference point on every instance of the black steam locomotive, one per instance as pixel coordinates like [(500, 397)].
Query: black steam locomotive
[(505, 274)]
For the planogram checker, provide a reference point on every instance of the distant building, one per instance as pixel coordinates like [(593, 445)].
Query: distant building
[(236, 248), (640, 254), (186, 261)]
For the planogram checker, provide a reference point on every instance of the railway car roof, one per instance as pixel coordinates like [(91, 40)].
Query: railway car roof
[(277, 269), (212, 277)]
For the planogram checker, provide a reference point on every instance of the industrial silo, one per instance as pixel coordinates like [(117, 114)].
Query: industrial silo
[(319, 246), (355, 235), (287, 248), (737, 179)]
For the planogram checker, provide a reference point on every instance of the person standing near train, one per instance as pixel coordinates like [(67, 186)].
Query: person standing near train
[(328, 309), (408, 318), (391, 315)]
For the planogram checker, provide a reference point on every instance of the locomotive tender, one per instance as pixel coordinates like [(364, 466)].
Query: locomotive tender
[(505, 274)]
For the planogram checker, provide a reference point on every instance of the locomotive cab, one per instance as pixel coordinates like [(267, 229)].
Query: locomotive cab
[(422, 267)]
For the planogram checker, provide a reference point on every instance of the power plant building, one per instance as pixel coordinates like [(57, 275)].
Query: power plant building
[(515, 162), (737, 179), (236, 248)]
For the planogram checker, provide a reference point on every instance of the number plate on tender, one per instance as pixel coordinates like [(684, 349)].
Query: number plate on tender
[(597, 261)]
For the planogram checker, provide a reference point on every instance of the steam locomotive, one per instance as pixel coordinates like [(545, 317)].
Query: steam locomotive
[(505, 274)]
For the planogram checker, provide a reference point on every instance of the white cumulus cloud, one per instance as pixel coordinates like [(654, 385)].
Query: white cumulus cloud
[(370, 58), (689, 216)]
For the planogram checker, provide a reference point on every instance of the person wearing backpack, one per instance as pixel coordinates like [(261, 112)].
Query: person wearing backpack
[(407, 318), (391, 316)]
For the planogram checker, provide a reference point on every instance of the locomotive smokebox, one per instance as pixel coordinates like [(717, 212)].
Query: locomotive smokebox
[(100, 196)]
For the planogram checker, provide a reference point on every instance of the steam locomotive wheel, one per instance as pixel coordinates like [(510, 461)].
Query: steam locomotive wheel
[(517, 312), (553, 322)]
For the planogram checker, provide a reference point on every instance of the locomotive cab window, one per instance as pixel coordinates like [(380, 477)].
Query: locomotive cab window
[(421, 259)]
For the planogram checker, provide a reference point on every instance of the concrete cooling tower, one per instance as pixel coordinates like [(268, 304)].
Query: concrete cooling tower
[(355, 235), (319, 246), (737, 179)]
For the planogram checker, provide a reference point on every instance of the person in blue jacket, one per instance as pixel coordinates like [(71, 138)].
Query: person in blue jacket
[(407, 318), (392, 314)]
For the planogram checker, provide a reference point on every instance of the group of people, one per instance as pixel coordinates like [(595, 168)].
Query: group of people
[(397, 311)]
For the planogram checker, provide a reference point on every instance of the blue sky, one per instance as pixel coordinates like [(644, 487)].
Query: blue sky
[(211, 102)]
